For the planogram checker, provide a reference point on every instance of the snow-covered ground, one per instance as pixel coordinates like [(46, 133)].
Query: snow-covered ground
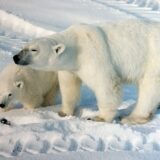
[(42, 134)]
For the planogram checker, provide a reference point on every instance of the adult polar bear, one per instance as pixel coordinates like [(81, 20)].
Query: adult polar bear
[(103, 57)]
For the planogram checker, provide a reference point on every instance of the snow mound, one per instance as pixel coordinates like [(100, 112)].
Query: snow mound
[(19, 25)]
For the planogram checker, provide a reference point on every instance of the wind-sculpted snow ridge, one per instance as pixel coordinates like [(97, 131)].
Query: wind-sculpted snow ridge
[(19, 25), (153, 4), (132, 9)]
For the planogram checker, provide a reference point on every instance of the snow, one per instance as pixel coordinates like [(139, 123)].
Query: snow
[(41, 133), (17, 24), (153, 4)]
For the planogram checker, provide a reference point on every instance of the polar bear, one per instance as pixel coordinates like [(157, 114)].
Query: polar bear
[(103, 56), (32, 88)]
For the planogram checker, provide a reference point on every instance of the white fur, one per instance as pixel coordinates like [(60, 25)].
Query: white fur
[(104, 56), (30, 87)]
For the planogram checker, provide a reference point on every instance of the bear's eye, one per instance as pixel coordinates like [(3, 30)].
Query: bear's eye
[(10, 94), (34, 50)]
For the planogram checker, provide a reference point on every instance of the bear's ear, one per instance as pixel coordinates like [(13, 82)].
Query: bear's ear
[(59, 48), (19, 84)]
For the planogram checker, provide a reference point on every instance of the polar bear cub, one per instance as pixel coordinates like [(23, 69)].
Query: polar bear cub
[(30, 87), (103, 56)]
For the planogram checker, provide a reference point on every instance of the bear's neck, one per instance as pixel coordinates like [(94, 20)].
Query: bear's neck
[(65, 37)]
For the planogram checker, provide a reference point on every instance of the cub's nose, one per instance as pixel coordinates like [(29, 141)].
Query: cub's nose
[(2, 105), (16, 59)]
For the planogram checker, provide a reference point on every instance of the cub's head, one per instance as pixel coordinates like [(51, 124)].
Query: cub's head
[(11, 87), (11, 94), (42, 53)]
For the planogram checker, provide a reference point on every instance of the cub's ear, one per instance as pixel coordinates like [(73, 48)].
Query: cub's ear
[(59, 48), (19, 84)]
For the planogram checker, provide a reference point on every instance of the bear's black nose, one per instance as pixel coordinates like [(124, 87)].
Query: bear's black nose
[(2, 105), (16, 59)]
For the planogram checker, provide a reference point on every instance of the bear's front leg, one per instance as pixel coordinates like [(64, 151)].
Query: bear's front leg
[(148, 99), (32, 102), (108, 94), (70, 92), (49, 98)]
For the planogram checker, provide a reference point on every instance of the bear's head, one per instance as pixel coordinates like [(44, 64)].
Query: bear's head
[(11, 88), (44, 54)]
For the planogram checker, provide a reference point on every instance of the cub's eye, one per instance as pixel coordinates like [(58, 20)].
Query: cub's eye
[(34, 50)]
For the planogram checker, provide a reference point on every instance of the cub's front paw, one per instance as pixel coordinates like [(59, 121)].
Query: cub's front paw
[(97, 119)]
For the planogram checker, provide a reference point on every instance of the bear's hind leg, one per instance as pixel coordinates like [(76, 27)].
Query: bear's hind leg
[(70, 92)]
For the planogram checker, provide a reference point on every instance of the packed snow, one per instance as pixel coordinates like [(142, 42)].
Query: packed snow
[(153, 4), (41, 133)]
